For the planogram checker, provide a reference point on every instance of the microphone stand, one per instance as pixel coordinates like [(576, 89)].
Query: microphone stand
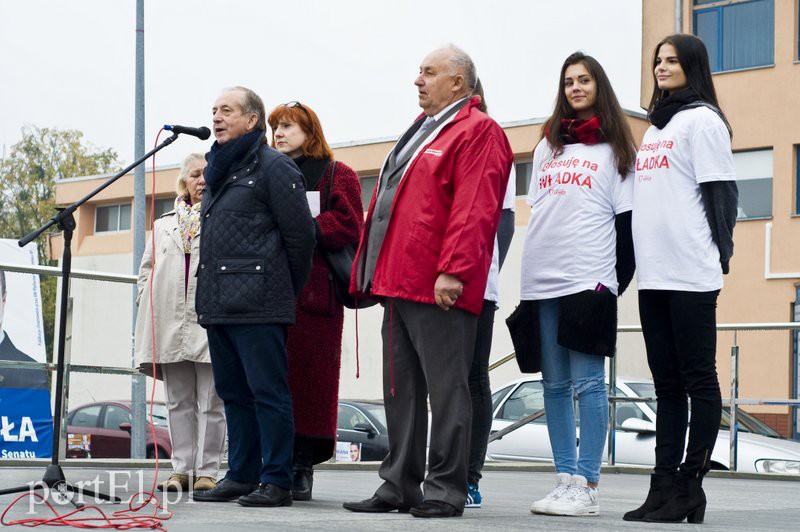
[(53, 475)]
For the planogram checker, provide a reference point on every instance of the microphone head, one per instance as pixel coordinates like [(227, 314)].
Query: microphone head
[(203, 133)]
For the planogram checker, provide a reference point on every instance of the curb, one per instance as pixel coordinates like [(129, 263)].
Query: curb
[(530, 467)]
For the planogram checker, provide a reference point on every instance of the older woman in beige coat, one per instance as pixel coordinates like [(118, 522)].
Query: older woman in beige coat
[(196, 413)]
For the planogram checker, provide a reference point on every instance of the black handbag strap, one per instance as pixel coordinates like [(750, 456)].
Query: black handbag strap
[(328, 185)]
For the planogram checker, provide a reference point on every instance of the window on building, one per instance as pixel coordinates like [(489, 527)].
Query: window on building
[(754, 179), (367, 187), (523, 177), (737, 33), (112, 218), (163, 206)]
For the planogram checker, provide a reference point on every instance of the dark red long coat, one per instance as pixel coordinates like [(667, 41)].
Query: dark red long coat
[(315, 340)]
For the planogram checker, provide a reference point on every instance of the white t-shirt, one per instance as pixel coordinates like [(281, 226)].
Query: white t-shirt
[(492, 284), (510, 199), (671, 235), (571, 243)]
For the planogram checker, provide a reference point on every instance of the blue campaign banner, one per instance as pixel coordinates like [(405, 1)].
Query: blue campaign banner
[(26, 424), (26, 429)]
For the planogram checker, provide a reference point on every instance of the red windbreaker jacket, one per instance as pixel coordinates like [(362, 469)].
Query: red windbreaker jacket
[(445, 214)]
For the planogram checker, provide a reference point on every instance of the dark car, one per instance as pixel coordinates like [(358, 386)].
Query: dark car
[(361, 431), (103, 430)]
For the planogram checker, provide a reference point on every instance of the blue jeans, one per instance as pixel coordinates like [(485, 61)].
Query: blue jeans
[(251, 375), (565, 372)]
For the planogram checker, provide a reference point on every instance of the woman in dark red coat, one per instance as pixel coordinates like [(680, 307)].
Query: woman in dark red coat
[(315, 340)]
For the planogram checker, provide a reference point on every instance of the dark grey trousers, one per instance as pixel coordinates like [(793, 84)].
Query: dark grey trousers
[(430, 353)]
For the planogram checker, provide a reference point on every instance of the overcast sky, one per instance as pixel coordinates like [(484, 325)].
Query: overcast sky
[(70, 64)]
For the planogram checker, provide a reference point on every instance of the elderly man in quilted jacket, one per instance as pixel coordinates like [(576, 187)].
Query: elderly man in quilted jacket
[(255, 256)]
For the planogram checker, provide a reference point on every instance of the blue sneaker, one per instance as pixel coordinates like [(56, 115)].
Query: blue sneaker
[(473, 496)]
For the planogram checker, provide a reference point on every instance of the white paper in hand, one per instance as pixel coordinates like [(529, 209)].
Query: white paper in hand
[(313, 202)]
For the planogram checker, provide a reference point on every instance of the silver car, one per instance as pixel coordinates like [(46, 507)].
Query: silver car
[(760, 448)]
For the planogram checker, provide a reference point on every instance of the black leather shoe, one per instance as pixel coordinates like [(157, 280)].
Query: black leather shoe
[(267, 495), (226, 490), (372, 505), (436, 509), (302, 483)]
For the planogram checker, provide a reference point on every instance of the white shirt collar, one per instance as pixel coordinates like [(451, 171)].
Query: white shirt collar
[(2, 336), (441, 113)]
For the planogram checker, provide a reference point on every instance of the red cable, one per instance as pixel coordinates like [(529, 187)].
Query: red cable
[(358, 366), (119, 520), (122, 519)]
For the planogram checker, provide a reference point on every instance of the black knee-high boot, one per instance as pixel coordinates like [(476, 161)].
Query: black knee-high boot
[(660, 492), (688, 501)]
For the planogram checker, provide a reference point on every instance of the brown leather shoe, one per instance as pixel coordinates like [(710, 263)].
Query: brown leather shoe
[(175, 482), (204, 483)]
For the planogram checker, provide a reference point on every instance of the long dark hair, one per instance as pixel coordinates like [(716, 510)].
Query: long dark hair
[(693, 58), (615, 128)]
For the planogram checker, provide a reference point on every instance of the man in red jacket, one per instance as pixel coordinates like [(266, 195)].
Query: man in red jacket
[(426, 251)]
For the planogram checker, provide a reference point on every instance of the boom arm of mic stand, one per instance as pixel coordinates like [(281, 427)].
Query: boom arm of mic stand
[(66, 212), (54, 474)]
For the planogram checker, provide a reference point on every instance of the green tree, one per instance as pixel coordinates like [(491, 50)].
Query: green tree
[(27, 191)]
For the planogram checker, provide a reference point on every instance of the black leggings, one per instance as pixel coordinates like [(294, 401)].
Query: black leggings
[(680, 335), (480, 393), (479, 389)]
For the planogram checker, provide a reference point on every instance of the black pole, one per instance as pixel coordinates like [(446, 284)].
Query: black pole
[(68, 226), (64, 219)]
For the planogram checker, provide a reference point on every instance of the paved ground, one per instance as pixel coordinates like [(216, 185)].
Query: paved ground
[(735, 504)]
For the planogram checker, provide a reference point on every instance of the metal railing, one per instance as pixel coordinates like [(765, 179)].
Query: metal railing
[(734, 401)]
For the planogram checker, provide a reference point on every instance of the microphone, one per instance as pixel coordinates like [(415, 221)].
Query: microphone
[(201, 133)]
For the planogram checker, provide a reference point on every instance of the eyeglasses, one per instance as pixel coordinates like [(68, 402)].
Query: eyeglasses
[(299, 105), (295, 103)]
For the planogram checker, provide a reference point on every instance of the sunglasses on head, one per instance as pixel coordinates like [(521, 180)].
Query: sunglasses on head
[(295, 103)]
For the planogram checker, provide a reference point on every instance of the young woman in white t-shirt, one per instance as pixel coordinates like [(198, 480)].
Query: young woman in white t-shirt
[(577, 257), (685, 201)]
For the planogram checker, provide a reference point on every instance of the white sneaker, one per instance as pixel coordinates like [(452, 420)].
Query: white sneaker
[(579, 499), (562, 486)]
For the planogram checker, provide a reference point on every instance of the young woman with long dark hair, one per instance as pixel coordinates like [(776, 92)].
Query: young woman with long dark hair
[(577, 258), (685, 200)]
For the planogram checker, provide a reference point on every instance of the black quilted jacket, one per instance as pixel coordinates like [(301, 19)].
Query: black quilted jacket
[(257, 243)]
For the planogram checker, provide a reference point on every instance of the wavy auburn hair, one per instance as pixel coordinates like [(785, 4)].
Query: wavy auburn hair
[(315, 145), (615, 128)]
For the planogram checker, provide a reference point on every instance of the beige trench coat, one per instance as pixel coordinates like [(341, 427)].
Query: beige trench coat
[(178, 336)]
